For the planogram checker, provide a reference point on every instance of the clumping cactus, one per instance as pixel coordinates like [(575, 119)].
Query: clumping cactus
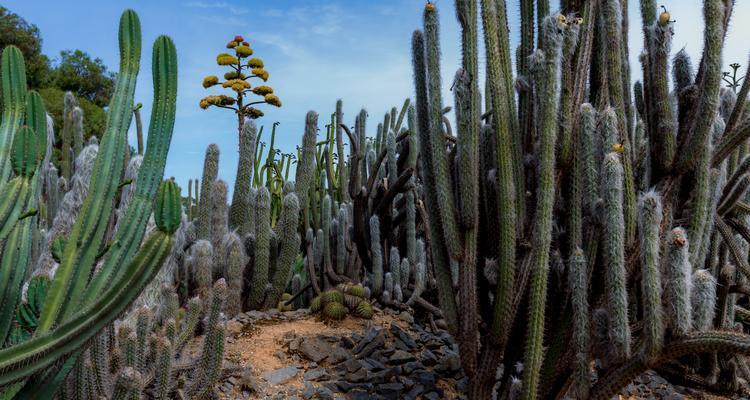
[(677, 283), (703, 299)]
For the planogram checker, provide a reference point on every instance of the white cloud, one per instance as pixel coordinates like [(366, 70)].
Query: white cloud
[(220, 5)]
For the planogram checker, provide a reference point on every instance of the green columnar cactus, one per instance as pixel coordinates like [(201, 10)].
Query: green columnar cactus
[(143, 326), (218, 217), (709, 85), (128, 385), (435, 143), (77, 130), (703, 300), (506, 194), (240, 212), (290, 244), (664, 131), (234, 266), (210, 173), (14, 96), (614, 231), (163, 370), (377, 256), (545, 68), (201, 265), (395, 268), (677, 275), (212, 354), (66, 151), (306, 166), (189, 205), (261, 257), (341, 242), (579, 289), (649, 221)]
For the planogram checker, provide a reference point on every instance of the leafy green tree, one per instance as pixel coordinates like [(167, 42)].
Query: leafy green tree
[(16, 31), (87, 77)]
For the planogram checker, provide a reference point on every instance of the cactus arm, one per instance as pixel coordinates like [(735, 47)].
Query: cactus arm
[(702, 342), (88, 232), (161, 124), (290, 243), (649, 222), (262, 249), (13, 75), (46, 349)]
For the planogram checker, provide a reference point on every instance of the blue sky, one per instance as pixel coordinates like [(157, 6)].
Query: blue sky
[(316, 52)]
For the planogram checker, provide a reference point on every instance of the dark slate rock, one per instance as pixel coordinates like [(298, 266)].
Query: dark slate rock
[(401, 357), (358, 394), (324, 393), (390, 390), (281, 375), (428, 358), (412, 366), (403, 337), (338, 355), (374, 344), (386, 374), (318, 374), (432, 396), (372, 364), (414, 393), (351, 365), (427, 378), (346, 342), (450, 362), (315, 349), (366, 340), (359, 375)]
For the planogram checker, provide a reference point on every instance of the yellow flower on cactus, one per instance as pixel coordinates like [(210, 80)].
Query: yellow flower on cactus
[(255, 63), (210, 81), (239, 83), (243, 51), (618, 148), (262, 90), (254, 113), (226, 59), (260, 73), (273, 100)]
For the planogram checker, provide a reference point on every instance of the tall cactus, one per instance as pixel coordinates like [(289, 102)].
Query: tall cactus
[(210, 173), (649, 221), (240, 210), (261, 258)]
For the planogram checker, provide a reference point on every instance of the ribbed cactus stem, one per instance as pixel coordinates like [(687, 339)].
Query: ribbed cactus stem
[(545, 68), (163, 370), (262, 254), (143, 327), (218, 216), (377, 256), (210, 173), (663, 147), (290, 244), (129, 385), (341, 237), (578, 281), (234, 267), (212, 354), (201, 262), (677, 282), (306, 165), (649, 221), (614, 255), (703, 300), (77, 130), (240, 211), (442, 176), (189, 205), (66, 151)]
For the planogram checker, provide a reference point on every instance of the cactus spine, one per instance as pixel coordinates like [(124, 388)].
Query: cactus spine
[(677, 282), (649, 221), (210, 173)]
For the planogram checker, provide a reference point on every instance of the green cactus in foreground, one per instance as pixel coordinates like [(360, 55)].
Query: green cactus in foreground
[(649, 221), (62, 330)]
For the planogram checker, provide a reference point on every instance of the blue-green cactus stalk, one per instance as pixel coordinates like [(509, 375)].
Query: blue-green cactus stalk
[(210, 173), (142, 329), (612, 12), (436, 144), (677, 276), (218, 216), (163, 370), (588, 158), (701, 199), (192, 317), (649, 221), (411, 228), (578, 282), (710, 83), (703, 300), (306, 165), (390, 147), (377, 256), (506, 191), (440, 257), (614, 257), (567, 141), (341, 242), (66, 150), (13, 75), (261, 258), (129, 385), (189, 205), (290, 244), (77, 130), (420, 280), (325, 223), (240, 211), (212, 355), (664, 130), (234, 266), (387, 296), (343, 194), (682, 71), (201, 263), (394, 266), (545, 63)]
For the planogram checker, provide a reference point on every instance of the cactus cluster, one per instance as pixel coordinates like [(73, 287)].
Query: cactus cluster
[(580, 218), (336, 303)]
